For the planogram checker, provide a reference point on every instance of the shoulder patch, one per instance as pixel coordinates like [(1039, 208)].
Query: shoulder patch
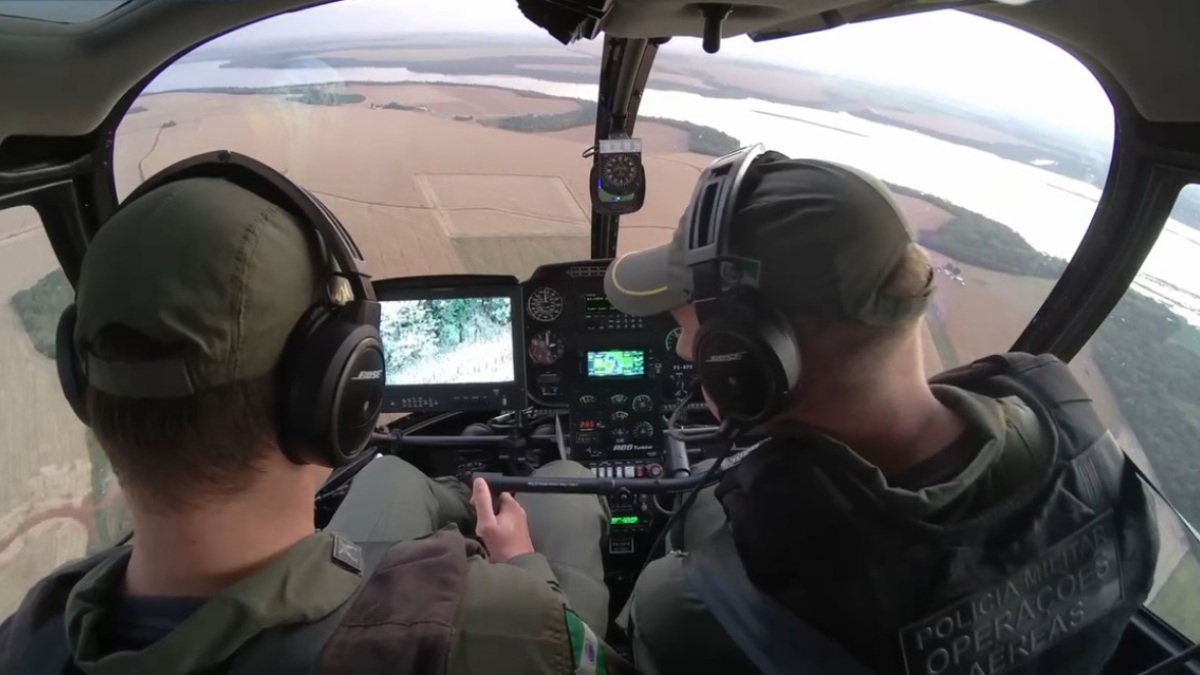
[(347, 554), (587, 653), (1007, 625)]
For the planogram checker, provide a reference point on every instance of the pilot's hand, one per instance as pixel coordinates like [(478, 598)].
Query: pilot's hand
[(505, 533)]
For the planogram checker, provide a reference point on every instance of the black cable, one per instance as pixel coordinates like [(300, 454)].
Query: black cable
[(1174, 662), (709, 477)]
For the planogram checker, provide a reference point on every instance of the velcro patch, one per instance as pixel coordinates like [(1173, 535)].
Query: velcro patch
[(1009, 624), (347, 554)]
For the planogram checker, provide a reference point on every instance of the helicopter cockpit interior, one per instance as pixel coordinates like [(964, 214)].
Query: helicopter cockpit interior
[(491, 158)]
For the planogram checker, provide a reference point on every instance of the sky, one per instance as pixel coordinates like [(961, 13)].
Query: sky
[(947, 52)]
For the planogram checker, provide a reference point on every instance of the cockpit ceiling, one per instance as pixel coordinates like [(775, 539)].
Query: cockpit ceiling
[(656, 18), (59, 11)]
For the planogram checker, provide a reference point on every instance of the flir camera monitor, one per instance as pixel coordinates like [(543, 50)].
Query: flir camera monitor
[(451, 343)]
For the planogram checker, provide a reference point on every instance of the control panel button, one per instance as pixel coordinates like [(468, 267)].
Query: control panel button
[(655, 470)]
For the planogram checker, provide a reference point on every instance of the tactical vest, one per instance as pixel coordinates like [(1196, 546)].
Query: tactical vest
[(400, 620), (1043, 583)]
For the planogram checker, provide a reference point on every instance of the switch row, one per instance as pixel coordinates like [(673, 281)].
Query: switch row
[(628, 471)]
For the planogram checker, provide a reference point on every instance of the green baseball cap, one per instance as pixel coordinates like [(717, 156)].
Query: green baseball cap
[(213, 273), (822, 237)]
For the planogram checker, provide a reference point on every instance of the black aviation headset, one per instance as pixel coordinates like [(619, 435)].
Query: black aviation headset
[(745, 352), (331, 371)]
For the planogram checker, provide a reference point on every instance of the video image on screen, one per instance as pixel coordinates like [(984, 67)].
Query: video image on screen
[(447, 341), (616, 363)]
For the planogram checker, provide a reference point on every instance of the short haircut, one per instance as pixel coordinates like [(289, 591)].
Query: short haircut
[(858, 341), (180, 453)]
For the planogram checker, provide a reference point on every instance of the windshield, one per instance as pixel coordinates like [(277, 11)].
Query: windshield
[(449, 147)]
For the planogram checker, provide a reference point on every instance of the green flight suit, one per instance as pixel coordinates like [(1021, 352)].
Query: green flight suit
[(391, 500), (673, 632), (515, 617)]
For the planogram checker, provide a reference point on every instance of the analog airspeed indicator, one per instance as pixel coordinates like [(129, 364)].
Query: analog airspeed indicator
[(544, 304)]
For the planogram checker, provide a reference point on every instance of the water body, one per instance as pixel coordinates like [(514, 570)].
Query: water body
[(1049, 210)]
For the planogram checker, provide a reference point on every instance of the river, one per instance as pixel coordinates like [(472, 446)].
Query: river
[(1049, 210)]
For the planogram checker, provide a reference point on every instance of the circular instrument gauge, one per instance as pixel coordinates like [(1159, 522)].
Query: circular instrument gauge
[(672, 340), (545, 304), (546, 348), (619, 170), (643, 430)]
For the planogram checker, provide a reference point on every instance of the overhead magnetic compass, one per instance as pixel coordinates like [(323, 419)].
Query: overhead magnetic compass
[(618, 177), (619, 170)]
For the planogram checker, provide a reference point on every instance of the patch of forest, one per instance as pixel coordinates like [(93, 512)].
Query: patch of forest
[(1143, 349), (39, 308), (700, 139)]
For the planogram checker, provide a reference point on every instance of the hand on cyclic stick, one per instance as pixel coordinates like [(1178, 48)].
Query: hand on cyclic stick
[(506, 533)]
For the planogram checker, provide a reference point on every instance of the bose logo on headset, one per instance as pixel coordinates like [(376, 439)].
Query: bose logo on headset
[(368, 375)]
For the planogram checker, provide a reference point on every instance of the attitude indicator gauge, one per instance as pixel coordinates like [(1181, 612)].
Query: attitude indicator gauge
[(545, 304), (546, 348)]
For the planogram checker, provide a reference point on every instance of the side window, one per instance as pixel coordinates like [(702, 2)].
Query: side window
[(1142, 368), (59, 499)]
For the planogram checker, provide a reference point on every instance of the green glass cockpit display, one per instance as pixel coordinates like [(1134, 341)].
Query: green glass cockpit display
[(616, 363)]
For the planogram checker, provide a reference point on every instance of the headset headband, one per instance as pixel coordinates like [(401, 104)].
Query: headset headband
[(707, 242), (251, 174)]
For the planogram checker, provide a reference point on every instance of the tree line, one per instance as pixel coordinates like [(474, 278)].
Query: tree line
[(700, 139)]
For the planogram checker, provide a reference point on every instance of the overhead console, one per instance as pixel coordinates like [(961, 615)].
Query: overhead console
[(452, 343)]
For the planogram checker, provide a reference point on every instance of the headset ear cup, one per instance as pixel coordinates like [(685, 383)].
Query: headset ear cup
[(748, 375), (71, 374), (333, 390)]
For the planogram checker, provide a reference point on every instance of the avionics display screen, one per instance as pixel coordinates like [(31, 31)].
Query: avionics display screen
[(616, 363), (451, 342), (447, 341), (597, 304)]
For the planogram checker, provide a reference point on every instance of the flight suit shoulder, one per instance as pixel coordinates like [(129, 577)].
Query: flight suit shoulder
[(511, 621)]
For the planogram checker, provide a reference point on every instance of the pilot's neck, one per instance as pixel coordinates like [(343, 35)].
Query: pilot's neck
[(893, 421), (202, 551)]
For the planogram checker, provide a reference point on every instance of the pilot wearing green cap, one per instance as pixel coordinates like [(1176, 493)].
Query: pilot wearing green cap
[(882, 524), (225, 572)]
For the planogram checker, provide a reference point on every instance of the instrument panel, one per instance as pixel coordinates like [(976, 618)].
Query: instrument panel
[(618, 375)]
